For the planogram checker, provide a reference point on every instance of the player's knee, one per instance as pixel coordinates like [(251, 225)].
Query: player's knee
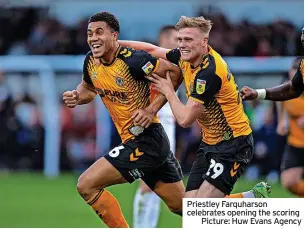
[(82, 187), (176, 207), (85, 187), (287, 181), (177, 211)]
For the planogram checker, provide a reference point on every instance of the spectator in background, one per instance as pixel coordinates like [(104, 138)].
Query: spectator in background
[(9, 126), (80, 38), (23, 32), (192, 140), (49, 36), (263, 120), (78, 137), (255, 110), (30, 134), (15, 27), (247, 39), (265, 155)]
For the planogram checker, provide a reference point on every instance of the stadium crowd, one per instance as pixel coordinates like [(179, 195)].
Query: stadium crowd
[(32, 31)]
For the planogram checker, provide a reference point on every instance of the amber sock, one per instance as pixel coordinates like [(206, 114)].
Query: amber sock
[(108, 209), (235, 195), (298, 189), (248, 194)]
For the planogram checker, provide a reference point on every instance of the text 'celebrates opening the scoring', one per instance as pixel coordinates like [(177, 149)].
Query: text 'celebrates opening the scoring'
[(214, 213)]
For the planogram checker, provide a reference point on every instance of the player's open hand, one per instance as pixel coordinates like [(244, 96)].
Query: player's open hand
[(164, 85), (247, 93), (71, 98), (143, 117)]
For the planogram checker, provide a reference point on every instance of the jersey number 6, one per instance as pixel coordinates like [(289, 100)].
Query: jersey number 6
[(116, 151)]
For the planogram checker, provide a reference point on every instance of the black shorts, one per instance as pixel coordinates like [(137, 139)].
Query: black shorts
[(221, 164), (148, 157), (293, 157)]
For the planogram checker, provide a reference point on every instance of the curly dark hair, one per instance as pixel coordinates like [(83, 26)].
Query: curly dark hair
[(108, 18)]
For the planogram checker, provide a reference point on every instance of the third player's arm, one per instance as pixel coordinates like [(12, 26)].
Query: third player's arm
[(154, 50), (289, 90), (282, 92)]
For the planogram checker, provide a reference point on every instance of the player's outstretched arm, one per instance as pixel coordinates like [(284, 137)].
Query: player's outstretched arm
[(83, 94), (282, 92), (154, 50), (286, 91)]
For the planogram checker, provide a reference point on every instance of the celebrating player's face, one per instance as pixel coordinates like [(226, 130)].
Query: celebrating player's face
[(191, 42), (100, 38)]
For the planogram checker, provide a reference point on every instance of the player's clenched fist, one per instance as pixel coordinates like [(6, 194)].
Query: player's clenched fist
[(71, 98), (247, 93)]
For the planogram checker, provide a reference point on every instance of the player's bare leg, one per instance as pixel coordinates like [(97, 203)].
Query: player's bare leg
[(207, 190), (146, 207), (292, 180), (172, 194), (91, 186)]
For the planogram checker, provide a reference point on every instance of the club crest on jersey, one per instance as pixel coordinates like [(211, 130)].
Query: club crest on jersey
[(148, 67), (119, 81), (200, 86)]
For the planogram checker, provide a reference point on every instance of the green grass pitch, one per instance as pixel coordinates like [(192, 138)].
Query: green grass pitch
[(31, 200)]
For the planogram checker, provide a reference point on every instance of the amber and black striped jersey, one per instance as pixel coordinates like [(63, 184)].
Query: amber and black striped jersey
[(295, 110), (122, 85), (212, 84), (298, 79)]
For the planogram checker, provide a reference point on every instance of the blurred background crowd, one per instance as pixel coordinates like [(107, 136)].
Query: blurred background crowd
[(32, 30)]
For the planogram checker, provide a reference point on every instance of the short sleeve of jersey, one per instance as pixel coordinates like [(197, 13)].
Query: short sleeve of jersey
[(173, 56), (205, 86), (86, 76), (141, 64), (298, 79)]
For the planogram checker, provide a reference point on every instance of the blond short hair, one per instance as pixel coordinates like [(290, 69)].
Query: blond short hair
[(203, 24)]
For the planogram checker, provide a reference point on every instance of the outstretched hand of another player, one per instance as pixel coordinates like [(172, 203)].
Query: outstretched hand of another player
[(164, 85), (71, 98), (247, 93), (143, 117)]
